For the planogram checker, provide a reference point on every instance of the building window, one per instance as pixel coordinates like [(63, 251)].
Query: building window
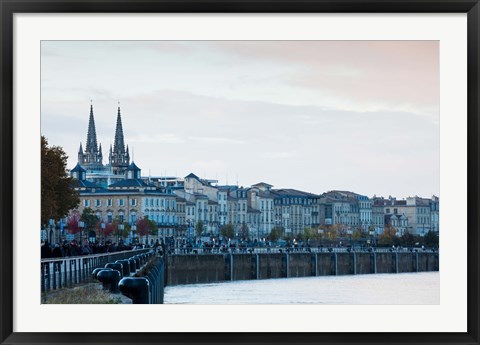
[(86, 203), (98, 202), (133, 202), (109, 202), (121, 202)]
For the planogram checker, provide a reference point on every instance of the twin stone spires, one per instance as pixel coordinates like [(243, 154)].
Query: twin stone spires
[(92, 158)]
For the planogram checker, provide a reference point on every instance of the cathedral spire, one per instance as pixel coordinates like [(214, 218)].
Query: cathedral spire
[(91, 135), (119, 159), (119, 144)]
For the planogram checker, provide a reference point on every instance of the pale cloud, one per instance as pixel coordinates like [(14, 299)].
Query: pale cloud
[(217, 140), (368, 75), (276, 155), (160, 138)]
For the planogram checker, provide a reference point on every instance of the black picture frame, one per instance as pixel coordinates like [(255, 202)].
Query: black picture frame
[(9, 7)]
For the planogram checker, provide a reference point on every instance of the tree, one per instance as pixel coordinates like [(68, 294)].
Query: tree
[(153, 227), (89, 218), (431, 239), (143, 227), (359, 234), (108, 229), (105, 231), (228, 230), (388, 237), (276, 233), (58, 196), (73, 222), (310, 233), (199, 228), (244, 233), (407, 239)]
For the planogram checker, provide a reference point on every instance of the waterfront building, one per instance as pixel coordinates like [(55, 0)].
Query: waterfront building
[(378, 215), (434, 214), (128, 200), (295, 210), (341, 207), (261, 198)]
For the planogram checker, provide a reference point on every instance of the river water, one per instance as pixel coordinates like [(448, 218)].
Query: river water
[(403, 288)]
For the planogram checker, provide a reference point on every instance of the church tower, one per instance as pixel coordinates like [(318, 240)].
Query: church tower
[(119, 157), (91, 159)]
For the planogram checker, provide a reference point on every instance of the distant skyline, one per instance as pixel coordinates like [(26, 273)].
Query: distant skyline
[(311, 115)]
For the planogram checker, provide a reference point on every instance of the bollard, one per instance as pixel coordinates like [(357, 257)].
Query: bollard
[(136, 289), (109, 279), (137, 262), (96, 270), (133, 266), (126, 267), (116, 266)]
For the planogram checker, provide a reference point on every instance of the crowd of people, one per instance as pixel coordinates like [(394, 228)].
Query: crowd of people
[(73, 248)]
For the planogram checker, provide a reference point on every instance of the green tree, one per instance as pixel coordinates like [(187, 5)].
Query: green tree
[(228, 230), (89, 218), (153, 227), (199, 227), (244, 231), (309, 233), (276, 233), (58, 196), (431, 239), (407, 239)]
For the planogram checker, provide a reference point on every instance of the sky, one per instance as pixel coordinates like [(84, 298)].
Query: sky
[(361, 116)]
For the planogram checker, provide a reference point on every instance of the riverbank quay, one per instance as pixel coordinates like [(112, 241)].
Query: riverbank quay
[(196, 268)]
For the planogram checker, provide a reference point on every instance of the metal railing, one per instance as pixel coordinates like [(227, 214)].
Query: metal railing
[(259, 250), (66, 272)]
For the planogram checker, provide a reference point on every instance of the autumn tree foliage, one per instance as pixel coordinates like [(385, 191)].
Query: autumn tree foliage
[(388, 237), (72, 222), (57, 195), (143, 227), (105, 231)]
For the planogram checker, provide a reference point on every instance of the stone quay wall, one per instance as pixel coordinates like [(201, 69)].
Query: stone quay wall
[(209, 268)]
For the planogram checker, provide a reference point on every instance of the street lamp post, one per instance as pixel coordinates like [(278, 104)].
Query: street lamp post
[(81, 225), (51, 225), (102, 225), (134, 228), (120, 228)]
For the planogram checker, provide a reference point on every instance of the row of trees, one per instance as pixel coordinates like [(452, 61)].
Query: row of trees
[(144, 226), (388, 237), (227, 230), (332, 233)]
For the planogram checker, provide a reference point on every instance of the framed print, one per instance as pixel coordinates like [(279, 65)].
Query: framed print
[(270, 171)]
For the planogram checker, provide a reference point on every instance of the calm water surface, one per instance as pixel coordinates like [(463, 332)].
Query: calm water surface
[(402, 288)]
